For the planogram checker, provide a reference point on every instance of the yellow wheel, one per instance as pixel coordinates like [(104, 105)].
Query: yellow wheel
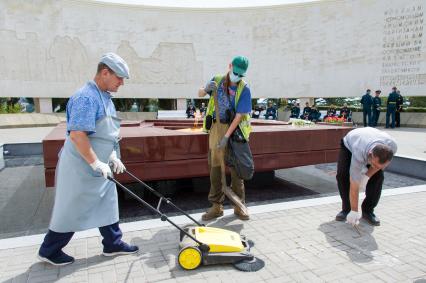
[(190, 258)]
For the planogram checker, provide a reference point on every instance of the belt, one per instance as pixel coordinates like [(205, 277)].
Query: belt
[(391, 102), (220, 121)]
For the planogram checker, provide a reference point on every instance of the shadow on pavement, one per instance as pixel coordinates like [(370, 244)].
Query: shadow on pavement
[(358, 247), (45, 270)]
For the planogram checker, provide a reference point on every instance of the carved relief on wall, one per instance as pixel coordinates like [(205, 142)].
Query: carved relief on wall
[(170, 63), (66, 59)]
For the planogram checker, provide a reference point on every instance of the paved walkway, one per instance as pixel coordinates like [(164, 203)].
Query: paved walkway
[(411, 142), (299, 241)]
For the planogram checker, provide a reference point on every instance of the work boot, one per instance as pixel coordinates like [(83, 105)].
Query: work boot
[(240, 214), (214, 212), (371, 218)]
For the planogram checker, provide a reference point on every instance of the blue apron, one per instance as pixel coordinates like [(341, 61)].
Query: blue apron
[(84, 199)]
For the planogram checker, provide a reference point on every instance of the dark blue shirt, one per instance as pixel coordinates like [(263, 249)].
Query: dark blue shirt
[(244, 102), (377, 102), (393, 96), (366, 101)]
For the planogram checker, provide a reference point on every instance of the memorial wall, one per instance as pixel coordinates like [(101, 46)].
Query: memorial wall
[(320, 49)]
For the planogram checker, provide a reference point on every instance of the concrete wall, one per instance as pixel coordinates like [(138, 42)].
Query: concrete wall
[(328, 48)]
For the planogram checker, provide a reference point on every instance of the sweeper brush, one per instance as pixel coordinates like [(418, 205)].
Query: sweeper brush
[(200, 244)]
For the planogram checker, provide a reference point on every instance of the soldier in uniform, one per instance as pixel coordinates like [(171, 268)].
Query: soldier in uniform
[(306, 111), (314, 115), (377, 102), (399, 102), (271, 111), (295, 111), (331, 112), (190, 111), (346, 113), (366, 102), (203, 109), (391, 107)]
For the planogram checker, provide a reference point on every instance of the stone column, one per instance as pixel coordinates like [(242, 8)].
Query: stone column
[(43, 105), (181, 104), (303, 100)]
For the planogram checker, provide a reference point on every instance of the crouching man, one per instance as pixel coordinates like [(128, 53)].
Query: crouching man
[(364, 154)]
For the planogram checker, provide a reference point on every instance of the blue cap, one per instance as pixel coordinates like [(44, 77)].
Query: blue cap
[(116, 63)]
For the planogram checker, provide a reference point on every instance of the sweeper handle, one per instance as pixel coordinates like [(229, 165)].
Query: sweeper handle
[(164, 217), (162, 198)]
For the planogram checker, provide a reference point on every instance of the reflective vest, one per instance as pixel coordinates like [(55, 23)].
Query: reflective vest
[(245, 121)]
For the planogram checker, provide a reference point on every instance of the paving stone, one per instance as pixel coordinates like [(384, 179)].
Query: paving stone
[(297, 245)]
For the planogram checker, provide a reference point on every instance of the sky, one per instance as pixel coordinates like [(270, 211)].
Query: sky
[(206, 3)]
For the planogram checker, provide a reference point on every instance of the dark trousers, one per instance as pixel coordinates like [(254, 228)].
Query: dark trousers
[(376, 115), (54, 242), (397, 119), (390, 112), (366, 115), (374, 185)]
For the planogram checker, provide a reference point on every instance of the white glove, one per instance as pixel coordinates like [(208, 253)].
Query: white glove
[(353, 218), (101, 167), (363, 182), (117, 166)]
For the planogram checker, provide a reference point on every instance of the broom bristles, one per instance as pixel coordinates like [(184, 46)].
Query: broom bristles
[(250, 265)]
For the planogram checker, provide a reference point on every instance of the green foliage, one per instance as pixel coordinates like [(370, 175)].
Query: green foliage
[(417, 101), (5, 109), (415, 109)]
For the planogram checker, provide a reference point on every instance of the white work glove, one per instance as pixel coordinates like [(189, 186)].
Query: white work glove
[(101, 167), (353, 218), (363, 182), (117, 166)]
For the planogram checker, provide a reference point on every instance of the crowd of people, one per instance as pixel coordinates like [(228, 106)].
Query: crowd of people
[(371, 108), (311, 113)]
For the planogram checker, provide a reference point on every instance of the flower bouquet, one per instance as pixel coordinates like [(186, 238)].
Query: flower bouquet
[(335, 120), (301, 123)]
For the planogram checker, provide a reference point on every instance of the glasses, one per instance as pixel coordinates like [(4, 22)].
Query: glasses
[(235, 74)]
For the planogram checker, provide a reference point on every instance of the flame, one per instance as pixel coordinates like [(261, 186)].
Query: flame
[(197, 118)]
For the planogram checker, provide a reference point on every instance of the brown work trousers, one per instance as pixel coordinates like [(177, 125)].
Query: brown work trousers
[(216, 194)]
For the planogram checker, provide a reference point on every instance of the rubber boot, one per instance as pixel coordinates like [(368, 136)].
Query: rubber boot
[(214, 212), (240, 214)]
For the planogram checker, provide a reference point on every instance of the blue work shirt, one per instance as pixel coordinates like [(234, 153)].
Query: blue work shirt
[(244, 102), (86, 107)]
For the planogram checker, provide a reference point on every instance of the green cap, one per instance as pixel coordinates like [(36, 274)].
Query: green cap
[(240, 65)]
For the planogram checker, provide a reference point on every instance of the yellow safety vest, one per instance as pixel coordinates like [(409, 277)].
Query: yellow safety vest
[(245, 121)]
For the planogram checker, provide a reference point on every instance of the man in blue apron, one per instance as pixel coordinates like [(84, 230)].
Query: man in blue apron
[(85, 198)]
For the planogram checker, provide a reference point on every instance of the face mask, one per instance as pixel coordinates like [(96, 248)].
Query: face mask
[(234, 78)]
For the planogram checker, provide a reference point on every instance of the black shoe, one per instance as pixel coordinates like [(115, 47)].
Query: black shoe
[(371, 218), (341, 216), (60, 260), (122, 249)]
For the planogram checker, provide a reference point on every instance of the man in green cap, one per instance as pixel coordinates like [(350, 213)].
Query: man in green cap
[(233, 97)]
